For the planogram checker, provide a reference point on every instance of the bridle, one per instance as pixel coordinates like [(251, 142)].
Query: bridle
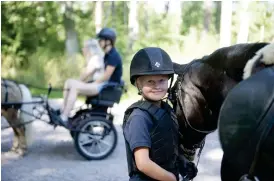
[(177, 101)]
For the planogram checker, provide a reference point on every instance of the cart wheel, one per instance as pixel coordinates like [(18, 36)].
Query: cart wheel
[(99, 142)]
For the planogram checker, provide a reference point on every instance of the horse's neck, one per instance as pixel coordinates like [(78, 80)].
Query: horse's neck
[(233, 59)]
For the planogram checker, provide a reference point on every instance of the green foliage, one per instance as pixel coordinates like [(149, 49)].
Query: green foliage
[(33, 35), (28, 25), (45, 68), (192, 15), (262, 17)]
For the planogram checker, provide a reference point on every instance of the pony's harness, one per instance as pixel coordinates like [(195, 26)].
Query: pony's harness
[(7, 106)]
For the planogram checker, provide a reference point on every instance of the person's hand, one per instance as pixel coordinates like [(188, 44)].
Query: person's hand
[(191, 170), (188, 170), (172, 177)]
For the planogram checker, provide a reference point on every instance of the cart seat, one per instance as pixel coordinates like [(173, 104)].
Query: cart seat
[(109, 95)]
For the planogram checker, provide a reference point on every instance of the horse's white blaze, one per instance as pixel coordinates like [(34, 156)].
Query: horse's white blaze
[(268, 59), (26, 97)]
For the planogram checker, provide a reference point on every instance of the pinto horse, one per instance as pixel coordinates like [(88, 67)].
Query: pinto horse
[(203, 84), (11, 92)]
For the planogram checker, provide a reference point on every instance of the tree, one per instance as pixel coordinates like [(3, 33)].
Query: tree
[(113, 14), (242, 36), (98, 16), (226, 15), (72, 45), (133, 26), (146, 17), (207, 17)]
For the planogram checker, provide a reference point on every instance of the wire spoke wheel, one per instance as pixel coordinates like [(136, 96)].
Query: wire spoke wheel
[(97, 139)]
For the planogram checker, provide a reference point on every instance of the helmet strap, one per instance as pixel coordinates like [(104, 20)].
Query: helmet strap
[(169, 96)]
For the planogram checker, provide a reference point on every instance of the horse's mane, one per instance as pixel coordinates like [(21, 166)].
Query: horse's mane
[(178, 68), (233, 56), (181, 68)]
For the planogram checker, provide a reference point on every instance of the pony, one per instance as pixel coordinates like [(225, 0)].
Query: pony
[(203, 84), (17, 114)]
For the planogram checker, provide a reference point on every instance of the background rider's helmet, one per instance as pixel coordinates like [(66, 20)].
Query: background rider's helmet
[(107, 34), (150, 61)]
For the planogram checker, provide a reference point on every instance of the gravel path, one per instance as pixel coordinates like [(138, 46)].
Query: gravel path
[(53, 157)]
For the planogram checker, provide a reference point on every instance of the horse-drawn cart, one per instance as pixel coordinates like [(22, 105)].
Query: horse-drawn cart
[(91, 128)]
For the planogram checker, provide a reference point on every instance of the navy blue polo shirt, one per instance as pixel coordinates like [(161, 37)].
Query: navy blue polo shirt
[(137, 129), (114, 59)]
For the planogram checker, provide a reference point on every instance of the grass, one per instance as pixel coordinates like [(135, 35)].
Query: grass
[(53, 94)]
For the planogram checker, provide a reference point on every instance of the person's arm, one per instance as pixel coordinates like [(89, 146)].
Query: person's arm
[(150, 168), (111, 65), (108, 72), (90, 68)]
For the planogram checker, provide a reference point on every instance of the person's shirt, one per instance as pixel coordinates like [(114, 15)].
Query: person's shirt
[(97, 63), (137, 129), (114, 59)]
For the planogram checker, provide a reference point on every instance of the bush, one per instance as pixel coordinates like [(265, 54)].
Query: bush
[(45, 67)]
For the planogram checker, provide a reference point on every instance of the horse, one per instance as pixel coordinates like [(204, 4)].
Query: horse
[(246, 129), (17, 114), (203, 84)]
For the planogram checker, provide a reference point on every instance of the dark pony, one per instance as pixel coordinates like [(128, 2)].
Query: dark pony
[(203, 84), (246, 129)]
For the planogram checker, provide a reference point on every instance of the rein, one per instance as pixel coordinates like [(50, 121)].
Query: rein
[(189, 152)]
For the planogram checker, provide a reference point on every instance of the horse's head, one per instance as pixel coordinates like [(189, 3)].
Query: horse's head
[(191, 108), (263, 58)]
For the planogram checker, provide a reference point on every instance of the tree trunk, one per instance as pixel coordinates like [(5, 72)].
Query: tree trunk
[(218, 5), (166, 9), (113, 13), (244, 23), (133, 26), (207, 18), (98, 16), (207, 15), (72, 46), (146, 17), (226, 15), (177, 18), (125, 12)]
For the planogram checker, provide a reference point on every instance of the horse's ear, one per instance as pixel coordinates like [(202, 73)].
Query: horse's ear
[(178, 68)]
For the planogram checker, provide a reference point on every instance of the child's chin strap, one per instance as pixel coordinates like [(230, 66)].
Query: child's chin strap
[(169, 95)]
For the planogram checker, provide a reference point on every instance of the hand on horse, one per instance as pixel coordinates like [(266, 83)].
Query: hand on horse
[(187, 169)]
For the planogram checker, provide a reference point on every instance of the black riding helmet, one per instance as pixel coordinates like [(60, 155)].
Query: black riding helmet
[(107, 34), (150, 61)]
